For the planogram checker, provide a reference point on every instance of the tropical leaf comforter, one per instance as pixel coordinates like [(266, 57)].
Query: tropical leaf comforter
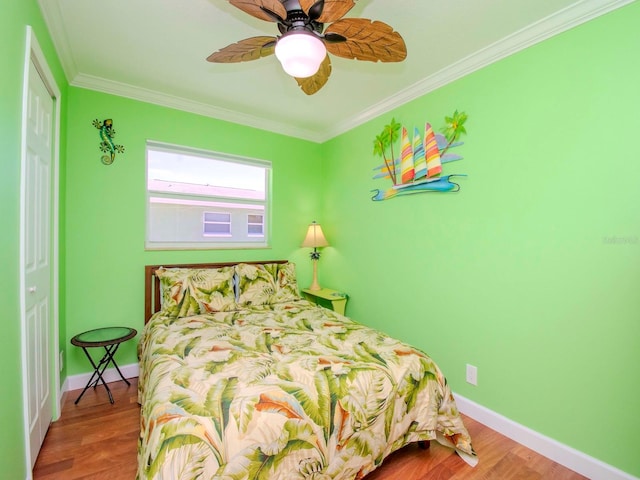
[(284, 391)]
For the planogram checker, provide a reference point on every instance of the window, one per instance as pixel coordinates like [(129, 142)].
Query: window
[(199, 199), (255, 225), (217, 224)]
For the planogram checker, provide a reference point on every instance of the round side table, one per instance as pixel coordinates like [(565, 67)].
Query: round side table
[(110, 338)]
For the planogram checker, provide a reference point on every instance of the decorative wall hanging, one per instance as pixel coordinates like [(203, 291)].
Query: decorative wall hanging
[(419, 167), (106, 140)]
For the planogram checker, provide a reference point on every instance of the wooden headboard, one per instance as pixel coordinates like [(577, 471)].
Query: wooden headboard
[(152, 285)]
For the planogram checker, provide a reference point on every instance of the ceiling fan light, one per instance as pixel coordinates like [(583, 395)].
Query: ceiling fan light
[(300, 53)]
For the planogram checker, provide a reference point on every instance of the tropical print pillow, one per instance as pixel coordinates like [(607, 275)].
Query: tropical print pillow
[(213, 289), (187, 291), (286, 282), (172, 288), (266, 284)]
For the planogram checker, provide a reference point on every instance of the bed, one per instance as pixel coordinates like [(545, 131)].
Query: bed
[(241, 378)]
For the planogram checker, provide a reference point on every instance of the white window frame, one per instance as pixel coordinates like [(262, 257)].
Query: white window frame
[(210, 203)]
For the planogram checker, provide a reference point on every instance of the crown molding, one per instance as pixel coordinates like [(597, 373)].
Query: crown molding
[(53, 18), (561, 21), (162, 99)]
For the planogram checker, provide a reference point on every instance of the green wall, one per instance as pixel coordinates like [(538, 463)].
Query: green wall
[(532, 271), (13, 31), (105, 217)]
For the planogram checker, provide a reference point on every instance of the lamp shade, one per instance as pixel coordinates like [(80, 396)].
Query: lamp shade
[(315, 237), (300, 53)]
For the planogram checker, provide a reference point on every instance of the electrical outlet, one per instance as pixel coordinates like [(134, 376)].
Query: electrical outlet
[(472, 374), (61, 360)]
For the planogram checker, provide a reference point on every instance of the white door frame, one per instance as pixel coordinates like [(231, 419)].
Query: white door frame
[(33, 53)]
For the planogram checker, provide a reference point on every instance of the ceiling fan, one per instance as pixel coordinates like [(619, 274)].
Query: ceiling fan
[(304, 42)]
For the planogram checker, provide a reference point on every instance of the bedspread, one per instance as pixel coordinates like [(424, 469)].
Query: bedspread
[(287, 391)]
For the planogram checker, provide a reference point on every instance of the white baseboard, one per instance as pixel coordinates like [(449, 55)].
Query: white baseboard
[(75, 382), (564, 455), (63, 388), (577, 461)]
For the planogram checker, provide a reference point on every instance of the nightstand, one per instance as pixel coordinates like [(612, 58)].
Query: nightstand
[(326, 297)]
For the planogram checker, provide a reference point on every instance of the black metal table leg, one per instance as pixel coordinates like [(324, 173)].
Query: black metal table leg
[(98, 370), (110, 354)]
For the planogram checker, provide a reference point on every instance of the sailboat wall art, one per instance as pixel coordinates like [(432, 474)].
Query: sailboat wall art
[(419, 167)]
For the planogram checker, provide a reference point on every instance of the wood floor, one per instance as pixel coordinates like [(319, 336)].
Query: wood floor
[(96, 440)]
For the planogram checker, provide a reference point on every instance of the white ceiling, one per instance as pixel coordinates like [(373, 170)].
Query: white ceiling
[(155, 51)]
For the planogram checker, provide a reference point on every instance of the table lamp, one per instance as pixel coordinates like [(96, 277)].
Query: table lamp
[(315, 239)]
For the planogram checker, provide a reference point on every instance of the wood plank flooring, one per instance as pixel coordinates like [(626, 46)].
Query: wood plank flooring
[(96, 440)]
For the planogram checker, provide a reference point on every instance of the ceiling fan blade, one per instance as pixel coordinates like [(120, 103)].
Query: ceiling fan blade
[(315, 82), (331, 11), (248, 49), (366, 40), (257, 9)]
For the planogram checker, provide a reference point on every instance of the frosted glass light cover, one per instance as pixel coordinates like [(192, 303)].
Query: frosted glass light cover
[(300, 54)]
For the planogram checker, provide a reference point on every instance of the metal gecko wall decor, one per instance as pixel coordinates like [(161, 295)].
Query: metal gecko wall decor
[(107, 133)]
